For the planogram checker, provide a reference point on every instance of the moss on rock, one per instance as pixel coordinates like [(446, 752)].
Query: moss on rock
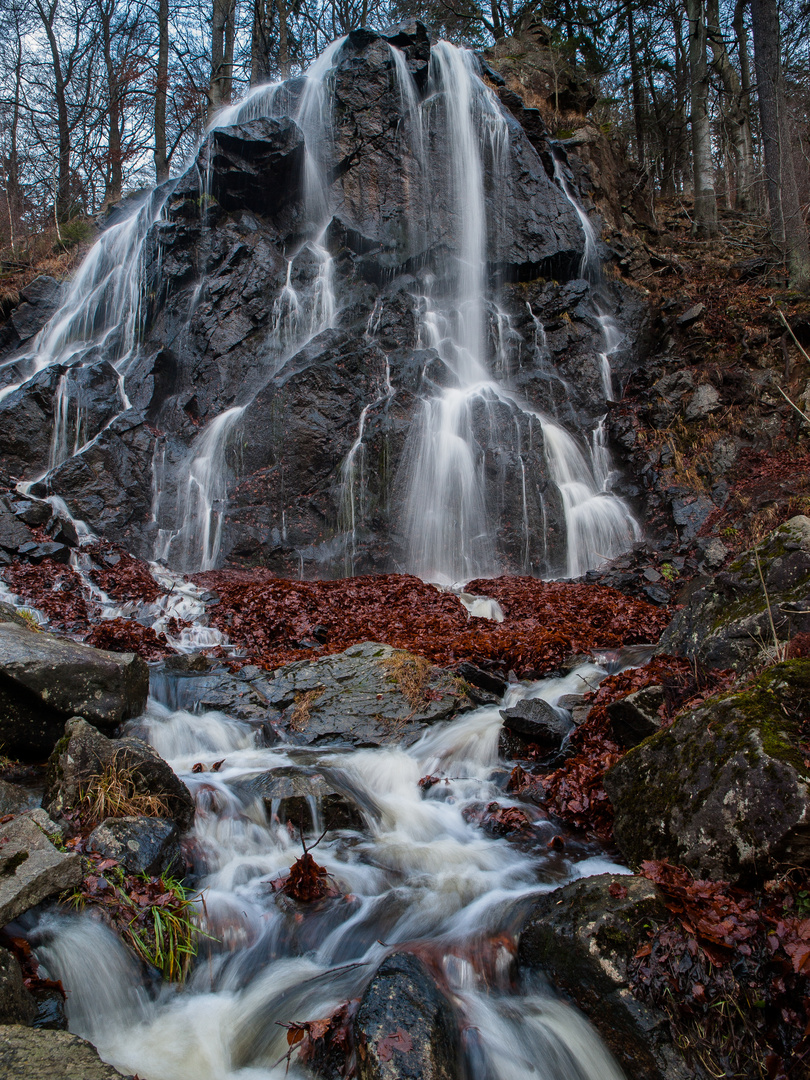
[(725, 790)]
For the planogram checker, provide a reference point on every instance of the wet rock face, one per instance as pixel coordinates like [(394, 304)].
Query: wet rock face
[(405, 1028), (220, 331), (725, 790)]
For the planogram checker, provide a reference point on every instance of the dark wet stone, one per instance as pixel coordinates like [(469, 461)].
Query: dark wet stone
[(403, 997), (635, 717), (44, 680), (16, 1004), (584, 936), (143, 845), (13, 533), (289, 792), (538, 722)]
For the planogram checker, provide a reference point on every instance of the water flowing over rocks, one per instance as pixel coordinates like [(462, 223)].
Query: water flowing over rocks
[(44, 680), (724, 791), (584, 937)]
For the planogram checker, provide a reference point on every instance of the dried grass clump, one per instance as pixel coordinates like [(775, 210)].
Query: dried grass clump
[(113, 793), (412, 676), (303, 703)]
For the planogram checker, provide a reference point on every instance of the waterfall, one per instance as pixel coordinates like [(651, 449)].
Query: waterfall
[(473, 435)]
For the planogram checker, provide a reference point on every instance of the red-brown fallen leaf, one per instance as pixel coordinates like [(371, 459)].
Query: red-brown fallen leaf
[(217, 765), (643, 950), (427, 782), (556, 843), (617, 891), (400, 1040)]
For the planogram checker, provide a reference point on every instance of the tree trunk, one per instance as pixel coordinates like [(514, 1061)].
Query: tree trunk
[(635, 80), (115, 176), (161, 91), (788, 229), (705, 223), (12, 162), (260, 43), (63, 203), (283, 39), (221, 38), (736, 110)]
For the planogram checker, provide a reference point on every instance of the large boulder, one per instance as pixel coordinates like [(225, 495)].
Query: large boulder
[(724, 791), (39, 1054), (369, 695), (405, 1026), (31, 868), (44, 680), (748, 611), (83, 757), (584, 936)]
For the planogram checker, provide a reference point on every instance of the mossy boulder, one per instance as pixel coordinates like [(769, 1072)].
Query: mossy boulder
[(725, 791), (583, 937), (731, 621)]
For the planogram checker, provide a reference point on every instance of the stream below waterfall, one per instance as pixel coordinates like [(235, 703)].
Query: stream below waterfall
[(418, 877)]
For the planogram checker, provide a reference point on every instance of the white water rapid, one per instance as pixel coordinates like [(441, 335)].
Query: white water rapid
[(418, 876)]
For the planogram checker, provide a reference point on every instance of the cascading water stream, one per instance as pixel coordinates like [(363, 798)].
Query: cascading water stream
[(419, 874)]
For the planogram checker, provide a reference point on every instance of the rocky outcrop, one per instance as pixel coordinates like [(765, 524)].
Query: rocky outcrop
[(83, 755), (31, 868), (36, 1054), (38, 301), (584, 937), (369, 695), (403, 1007), (231, 297), (725, 791), (748, 612), (44, 680)]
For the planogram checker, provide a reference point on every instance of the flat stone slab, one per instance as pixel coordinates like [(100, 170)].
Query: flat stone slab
[(31, 869), (369, 695), (41, 1054)]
